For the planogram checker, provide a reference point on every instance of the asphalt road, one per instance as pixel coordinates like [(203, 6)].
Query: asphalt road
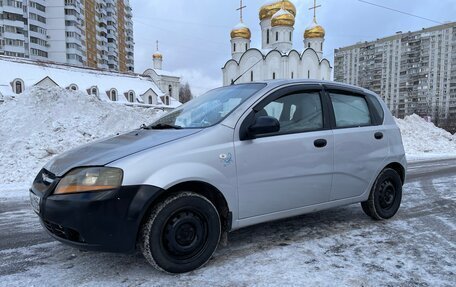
[(427, 211)]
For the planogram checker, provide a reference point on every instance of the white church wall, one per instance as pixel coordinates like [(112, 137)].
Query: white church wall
[(311, 67), (294, 64), (273, 65)]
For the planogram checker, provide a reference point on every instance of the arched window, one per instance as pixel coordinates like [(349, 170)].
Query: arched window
[(113, 95), (292, 75), (308, 45), (170, 90), (251, 76), (73, 87), (94, 91), (246, 46), (277, 36), (131, 96), (273, 76), (18, 86), (167, 100), (267, 36), (321, 46), (308, 74), (290, 37), (150, 100), (234, 47)]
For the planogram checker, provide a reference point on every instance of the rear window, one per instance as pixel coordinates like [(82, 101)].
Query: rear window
[(350, 110)]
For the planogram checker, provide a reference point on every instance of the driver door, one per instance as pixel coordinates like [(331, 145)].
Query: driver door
[(291, 168)]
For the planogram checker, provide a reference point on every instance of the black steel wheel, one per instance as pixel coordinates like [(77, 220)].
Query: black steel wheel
[(181, 233), (385, 197)]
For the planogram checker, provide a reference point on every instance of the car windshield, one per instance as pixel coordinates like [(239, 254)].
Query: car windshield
[(208, 109)]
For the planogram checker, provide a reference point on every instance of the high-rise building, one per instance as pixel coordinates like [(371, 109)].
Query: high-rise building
[(414, 72), (93, 33)]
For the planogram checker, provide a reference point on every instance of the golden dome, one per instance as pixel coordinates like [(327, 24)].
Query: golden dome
[(272, 7), (314, 31), (241, 31), (157, 55), (283, 18)]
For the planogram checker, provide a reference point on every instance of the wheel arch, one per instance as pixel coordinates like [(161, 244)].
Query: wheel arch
[(213, 194), (399, 168)]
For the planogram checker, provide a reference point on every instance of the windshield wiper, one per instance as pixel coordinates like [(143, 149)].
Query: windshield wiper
[(164, 127)]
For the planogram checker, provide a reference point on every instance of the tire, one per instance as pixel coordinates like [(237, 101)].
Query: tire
[(181, 234), (385, 197)]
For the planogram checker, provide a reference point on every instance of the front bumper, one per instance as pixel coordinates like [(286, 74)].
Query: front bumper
[(102, 221)]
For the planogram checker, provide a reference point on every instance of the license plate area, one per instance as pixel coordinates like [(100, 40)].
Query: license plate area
[(35, 202)]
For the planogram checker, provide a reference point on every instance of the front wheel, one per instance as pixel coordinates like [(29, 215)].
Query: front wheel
[(385, 197), (181, 233)]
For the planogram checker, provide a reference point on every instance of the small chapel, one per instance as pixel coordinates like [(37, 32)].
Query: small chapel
[(277, 58)]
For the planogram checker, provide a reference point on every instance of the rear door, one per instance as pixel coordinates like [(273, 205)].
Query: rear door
[(293, 167), (360, 143)]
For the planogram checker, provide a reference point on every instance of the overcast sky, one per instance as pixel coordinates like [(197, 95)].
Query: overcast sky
[(194, 35)]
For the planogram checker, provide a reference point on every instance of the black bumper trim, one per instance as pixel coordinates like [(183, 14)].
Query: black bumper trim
[(102, 221)]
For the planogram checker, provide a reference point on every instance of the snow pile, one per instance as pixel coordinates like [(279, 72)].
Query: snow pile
[(423, 140), (41, 123)]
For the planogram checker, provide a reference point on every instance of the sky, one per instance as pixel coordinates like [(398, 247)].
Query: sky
[(194, 35)]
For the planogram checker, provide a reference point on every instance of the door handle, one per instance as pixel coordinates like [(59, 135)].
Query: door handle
[(378, 135), (320, 143)]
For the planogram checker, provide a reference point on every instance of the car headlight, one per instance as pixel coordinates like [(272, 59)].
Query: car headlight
[(90, 179)]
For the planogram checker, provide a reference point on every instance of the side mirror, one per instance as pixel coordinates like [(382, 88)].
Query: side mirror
[(264, 125)]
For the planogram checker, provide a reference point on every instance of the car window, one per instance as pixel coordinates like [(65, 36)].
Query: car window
[(296, 112), (350, 111)]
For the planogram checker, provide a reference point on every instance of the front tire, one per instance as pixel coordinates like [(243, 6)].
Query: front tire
[(385, 197), (181, 234)]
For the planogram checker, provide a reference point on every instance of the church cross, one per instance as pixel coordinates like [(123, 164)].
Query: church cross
[(242, 7), (315, 6)]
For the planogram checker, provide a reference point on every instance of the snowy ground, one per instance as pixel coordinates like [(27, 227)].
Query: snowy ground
[(338, 247)]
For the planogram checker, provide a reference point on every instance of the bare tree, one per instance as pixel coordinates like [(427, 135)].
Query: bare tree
[(185, 93)]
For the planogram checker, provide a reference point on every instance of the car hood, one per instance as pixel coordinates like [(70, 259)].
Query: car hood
[(105, 151)]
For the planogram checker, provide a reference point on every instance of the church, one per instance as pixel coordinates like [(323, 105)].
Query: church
[(277, 58)]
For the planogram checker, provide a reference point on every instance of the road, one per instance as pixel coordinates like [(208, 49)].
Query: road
[(340, 247)]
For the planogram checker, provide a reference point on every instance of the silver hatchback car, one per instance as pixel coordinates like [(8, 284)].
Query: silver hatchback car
[(234, 157)]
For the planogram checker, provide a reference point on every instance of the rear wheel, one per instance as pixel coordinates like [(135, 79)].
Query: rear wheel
[(181, 233), (385, 197)]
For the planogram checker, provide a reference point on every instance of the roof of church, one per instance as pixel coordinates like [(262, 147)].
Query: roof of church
[(32, 72)]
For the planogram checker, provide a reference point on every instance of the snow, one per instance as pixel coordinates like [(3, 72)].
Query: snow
[(423, 140), (338, 247), (280, 13), (32, 73), (41, 123)]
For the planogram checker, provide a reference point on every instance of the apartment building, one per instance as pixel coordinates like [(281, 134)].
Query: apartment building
[(414, 72), (93, 33)]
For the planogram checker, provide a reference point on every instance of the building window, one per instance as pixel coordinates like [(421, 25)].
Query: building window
[(113, 95), (73, 87), (321, 47), (170, 90), (131, 96), (150, 100), (308, 45), (292, 75), (308, 74), (94, 91), (18, 86), (246, 46), (167, 100), (273, 76), (290, 37), (277, 36), (267, 36), (251, 76), (234, 47)]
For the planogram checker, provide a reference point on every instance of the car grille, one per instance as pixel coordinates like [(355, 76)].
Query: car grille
[(44, 181), (63, 232)]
